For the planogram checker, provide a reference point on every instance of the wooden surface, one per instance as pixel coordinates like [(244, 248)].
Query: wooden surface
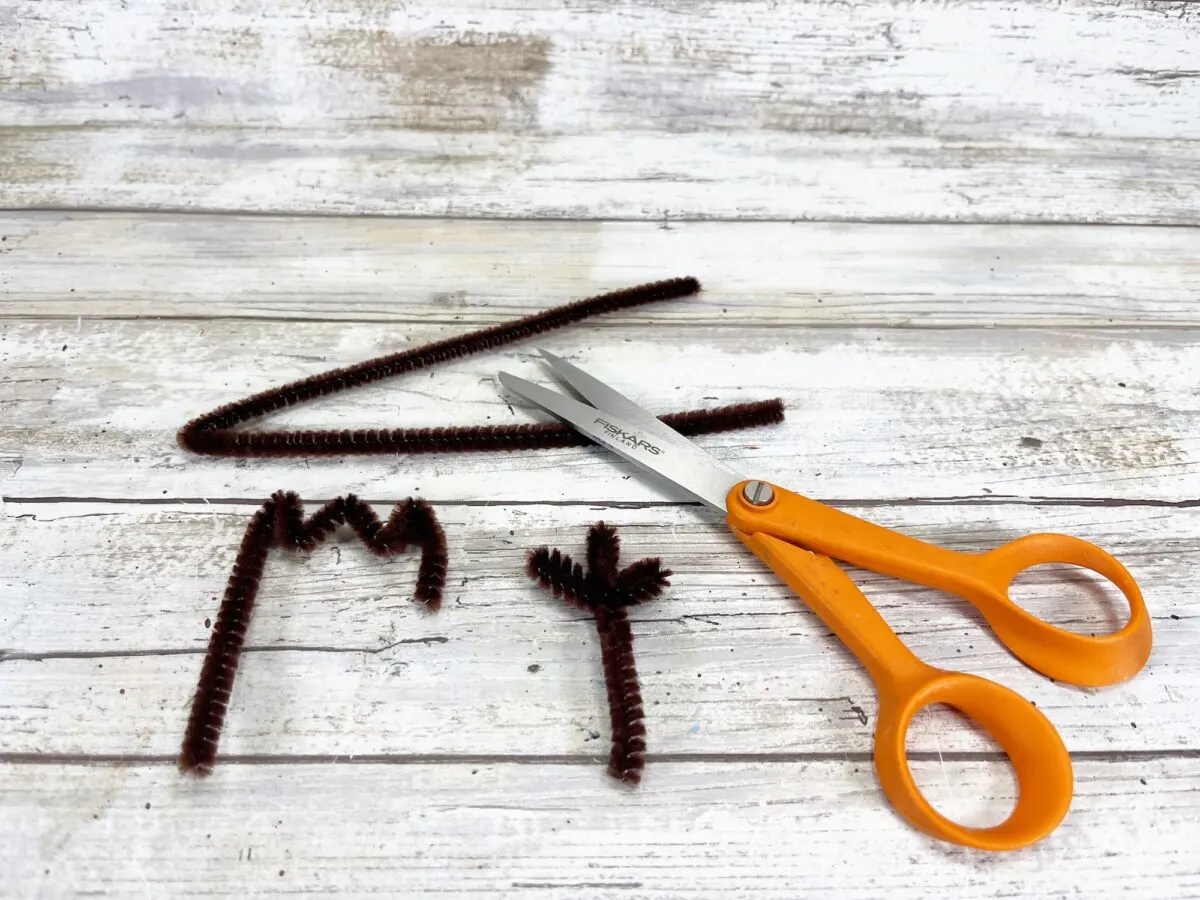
[(959, 241), (1034, 110)]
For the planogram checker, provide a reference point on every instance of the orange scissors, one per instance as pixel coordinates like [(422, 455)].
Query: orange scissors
[(796, 537)]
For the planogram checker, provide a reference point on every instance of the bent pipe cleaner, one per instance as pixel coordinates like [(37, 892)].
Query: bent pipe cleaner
[(215, 432), (605, 592), (280, 522)]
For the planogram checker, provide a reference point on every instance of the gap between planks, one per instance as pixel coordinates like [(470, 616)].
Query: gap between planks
[(854, 757), (743, 324), (161, 211), (975, 500)]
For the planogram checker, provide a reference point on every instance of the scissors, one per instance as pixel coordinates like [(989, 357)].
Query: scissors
[(799, 539)]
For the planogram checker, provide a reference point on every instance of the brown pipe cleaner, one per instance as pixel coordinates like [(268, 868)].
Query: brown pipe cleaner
[(214, 432), (605, 593), (280, 522)]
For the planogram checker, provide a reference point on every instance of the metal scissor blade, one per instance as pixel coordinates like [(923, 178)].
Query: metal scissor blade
[(686, 465), (601, 396)]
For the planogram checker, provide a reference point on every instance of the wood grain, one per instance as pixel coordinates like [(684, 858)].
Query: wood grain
[(107, 611), (1076, 111), (473, 273), (92, 407), (739, 830), (912, 223)]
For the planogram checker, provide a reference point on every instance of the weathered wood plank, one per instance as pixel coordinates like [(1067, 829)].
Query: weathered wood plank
[(739, 830), (90, 409), (106, 613), (479, 272), (1081, 110)]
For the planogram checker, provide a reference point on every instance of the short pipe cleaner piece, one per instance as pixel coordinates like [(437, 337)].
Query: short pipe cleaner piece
[(280, 522), (215, 434), (605, 592)]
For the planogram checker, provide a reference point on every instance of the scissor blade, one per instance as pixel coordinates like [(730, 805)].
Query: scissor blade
[(600, 395), (686, 466)]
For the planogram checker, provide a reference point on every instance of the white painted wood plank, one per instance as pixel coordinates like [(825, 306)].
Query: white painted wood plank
[(91, 409), (479, 272), (1033, 110), (104, 610), (737, 829)]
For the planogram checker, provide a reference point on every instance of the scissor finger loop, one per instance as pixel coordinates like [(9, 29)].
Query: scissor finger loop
[(1039, 758), (1086, 660)]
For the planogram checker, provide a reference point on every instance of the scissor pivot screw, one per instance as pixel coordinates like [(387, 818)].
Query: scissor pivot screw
[(758, 493)]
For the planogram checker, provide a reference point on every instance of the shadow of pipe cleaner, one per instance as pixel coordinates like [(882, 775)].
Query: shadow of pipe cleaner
[(605, 592), (280, 522)]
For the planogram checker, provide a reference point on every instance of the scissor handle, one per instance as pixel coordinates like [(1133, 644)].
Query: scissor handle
[(1075, 658), (983, 579), (1045, 781), (906, 685)]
